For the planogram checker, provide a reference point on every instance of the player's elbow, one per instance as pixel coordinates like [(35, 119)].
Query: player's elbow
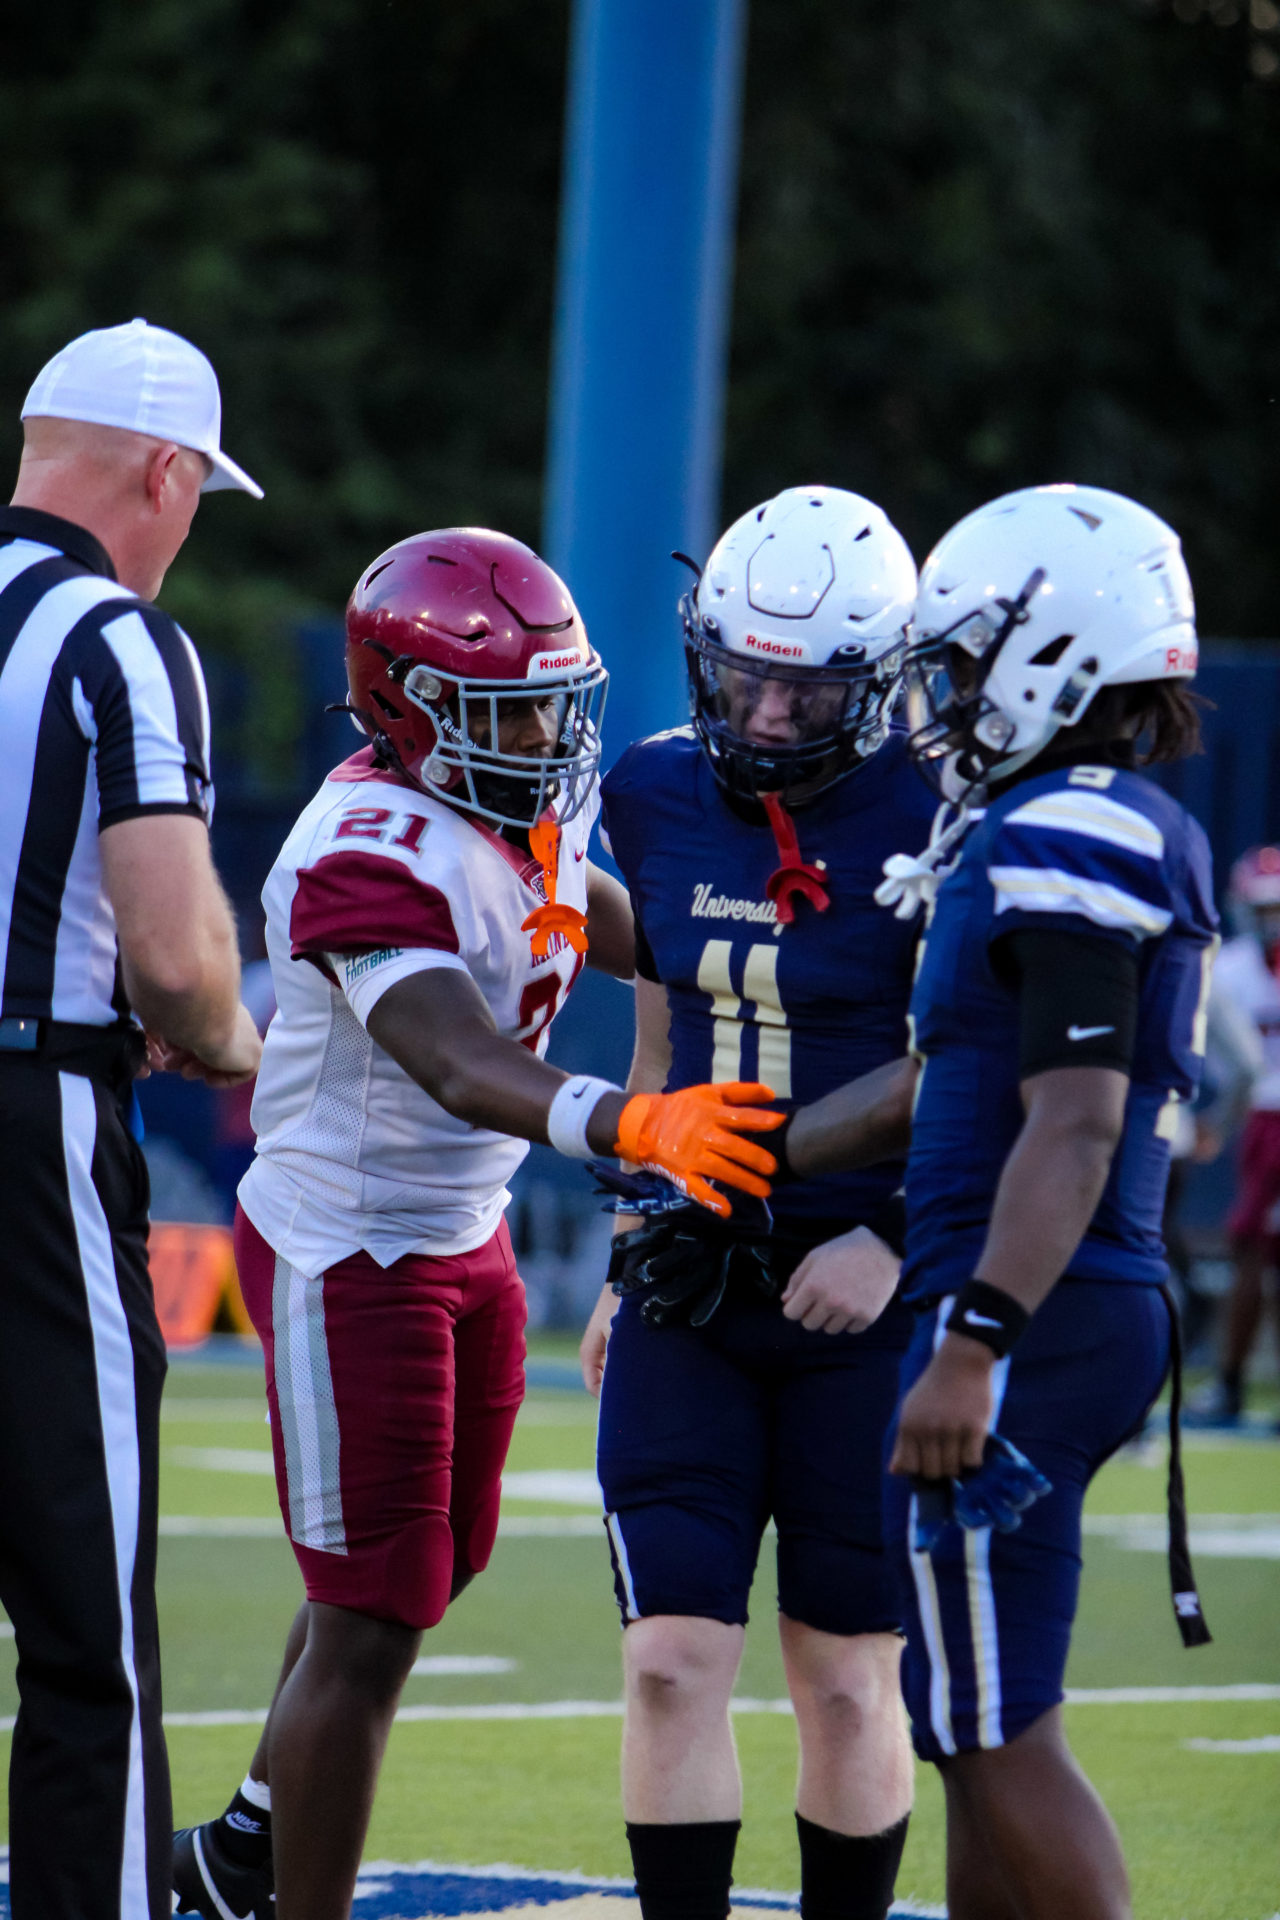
[(899, 1105), (1083, 1147), (457, 1084), (1081, 1109), (454, 1089)]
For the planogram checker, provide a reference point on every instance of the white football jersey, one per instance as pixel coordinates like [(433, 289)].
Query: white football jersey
[(1242, 975), (378, 880)]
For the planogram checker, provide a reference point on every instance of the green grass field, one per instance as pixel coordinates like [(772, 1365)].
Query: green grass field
[(1200, 1825)]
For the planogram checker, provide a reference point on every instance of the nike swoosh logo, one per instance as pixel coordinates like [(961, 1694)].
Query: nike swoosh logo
[(1087, 1033), (978, 1319), (579, 853)]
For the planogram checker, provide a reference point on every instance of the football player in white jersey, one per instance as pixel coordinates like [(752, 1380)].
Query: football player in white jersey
[(425, 920)]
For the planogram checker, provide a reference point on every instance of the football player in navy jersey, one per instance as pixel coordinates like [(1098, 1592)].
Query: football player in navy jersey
[(1058, 1017), (741, 1383)]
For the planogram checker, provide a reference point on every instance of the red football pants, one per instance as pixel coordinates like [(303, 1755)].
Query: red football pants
[(393, 1393)]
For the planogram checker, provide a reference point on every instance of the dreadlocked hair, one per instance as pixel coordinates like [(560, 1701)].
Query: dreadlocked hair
[(1161, 717)]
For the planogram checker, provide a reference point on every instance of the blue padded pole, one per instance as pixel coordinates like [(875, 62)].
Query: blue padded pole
[(641, 335)]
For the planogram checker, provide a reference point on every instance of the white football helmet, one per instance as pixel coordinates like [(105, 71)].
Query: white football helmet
[(804, 603), (1026, 608)]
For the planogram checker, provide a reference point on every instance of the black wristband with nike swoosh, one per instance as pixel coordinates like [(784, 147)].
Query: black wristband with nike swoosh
[(989, 1314)]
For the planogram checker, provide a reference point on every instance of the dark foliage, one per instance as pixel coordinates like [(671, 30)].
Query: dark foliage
[(980, 245)]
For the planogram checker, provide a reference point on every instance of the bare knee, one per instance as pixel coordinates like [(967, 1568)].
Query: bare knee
[(675, 1666), (367, 1656), (849, 1685)]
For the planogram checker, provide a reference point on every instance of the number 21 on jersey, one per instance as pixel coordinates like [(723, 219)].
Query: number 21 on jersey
[(758, 1005)]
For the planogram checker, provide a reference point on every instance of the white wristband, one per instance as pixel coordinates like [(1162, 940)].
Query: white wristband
[(570, 1112)]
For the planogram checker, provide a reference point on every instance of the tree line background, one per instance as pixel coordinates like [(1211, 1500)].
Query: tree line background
[(979, 245)]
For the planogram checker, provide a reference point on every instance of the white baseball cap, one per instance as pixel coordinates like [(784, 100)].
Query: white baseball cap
[(146, 380)]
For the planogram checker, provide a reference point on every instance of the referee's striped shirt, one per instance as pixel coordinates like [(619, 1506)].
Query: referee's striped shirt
[(103, 717)]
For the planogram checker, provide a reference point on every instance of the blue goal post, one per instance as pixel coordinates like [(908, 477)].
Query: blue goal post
[(641, 329)]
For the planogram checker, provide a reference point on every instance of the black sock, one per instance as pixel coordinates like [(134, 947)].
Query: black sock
[(848, 1876), (683, 1872), (244, 1832), (1233, 1386)]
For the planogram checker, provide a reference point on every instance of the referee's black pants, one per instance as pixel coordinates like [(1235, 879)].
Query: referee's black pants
[(82, 1364)]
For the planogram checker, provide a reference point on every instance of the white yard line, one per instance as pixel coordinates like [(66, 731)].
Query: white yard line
[(1240, 1535), (559, 1486), (216, 1412), (1266, 1743), (1168, 1696), (197, 1526), (1107, 1523), (220, 1526), (1213, 1536), (446, 1665), (222, 1459), (612, 1709), (534, 1413)]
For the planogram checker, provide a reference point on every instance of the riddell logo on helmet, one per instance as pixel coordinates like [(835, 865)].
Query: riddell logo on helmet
[(544, 663), (778, 648), (1181, 659)]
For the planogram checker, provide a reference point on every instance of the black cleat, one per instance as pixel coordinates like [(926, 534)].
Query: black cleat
[(208, 1882)]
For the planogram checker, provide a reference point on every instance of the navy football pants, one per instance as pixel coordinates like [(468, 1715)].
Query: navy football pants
[(705, 1434), (988, 1615)]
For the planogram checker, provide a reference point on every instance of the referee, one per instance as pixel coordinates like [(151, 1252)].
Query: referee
[(110, 914)]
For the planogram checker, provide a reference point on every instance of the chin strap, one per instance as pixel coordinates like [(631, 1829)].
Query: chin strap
[(912, 880), (544, 845), (794, 876)]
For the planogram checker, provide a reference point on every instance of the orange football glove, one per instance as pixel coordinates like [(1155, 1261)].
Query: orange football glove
[(695, 1135)]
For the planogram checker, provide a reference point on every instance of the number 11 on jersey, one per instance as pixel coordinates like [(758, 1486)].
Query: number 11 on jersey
[(758, 1005)]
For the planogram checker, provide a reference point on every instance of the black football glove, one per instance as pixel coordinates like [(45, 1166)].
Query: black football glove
[(682, 1276)]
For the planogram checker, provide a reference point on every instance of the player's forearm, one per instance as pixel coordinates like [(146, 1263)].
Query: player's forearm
[(484, 1078), (514, 1095), (1048, 1193), (868, 1119), (187, 991), (176, 932)]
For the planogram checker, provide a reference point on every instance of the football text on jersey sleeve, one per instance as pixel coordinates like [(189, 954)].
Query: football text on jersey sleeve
[(365, 977)]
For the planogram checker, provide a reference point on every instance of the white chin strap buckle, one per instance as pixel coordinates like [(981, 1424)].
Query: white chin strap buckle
[(912, 880)]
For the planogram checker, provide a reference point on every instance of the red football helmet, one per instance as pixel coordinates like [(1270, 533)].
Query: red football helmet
[(444, 632), (1253, 893)]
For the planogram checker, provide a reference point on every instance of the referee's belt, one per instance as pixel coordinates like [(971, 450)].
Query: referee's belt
[(101, 1053)]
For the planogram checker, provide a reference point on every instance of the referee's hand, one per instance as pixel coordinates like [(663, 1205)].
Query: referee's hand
[(232, 1063)]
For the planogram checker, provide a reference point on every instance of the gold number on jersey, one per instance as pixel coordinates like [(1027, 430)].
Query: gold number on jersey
[(1200, 1022), (726, 1010), (760, 985), (729, 1014)]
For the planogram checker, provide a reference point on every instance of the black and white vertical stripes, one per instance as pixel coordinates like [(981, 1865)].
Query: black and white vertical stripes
[(81, 1369), (103, 717)]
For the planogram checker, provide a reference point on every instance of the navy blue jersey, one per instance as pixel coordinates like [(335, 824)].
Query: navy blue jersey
[(1092, 849), (803, 1007)]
